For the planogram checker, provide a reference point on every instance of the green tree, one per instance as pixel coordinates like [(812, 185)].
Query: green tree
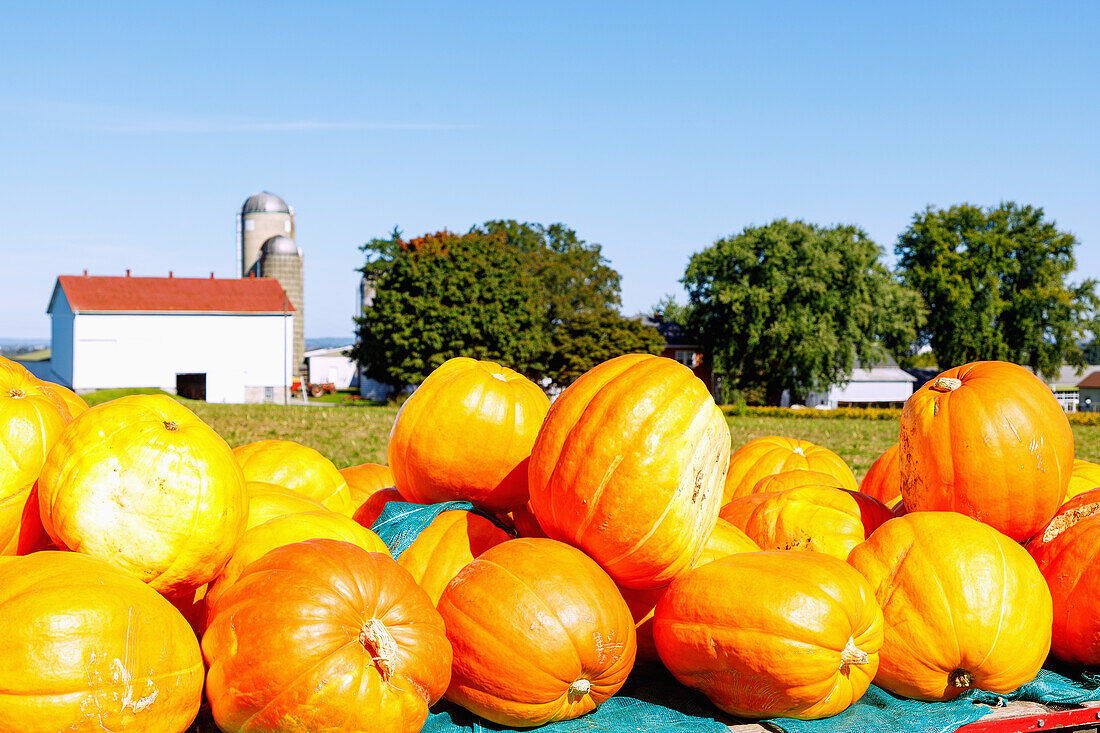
[(671, 310), (995, 281), (579, 299), (791, 306), (445, 295)]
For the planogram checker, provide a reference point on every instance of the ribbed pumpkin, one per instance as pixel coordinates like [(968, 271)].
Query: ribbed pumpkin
[(365, 480), (883, 479), (724, 540), (1085, 476), (815, 518), (795, 479), (267, 501), (988, 440), (965, 606), (73, 402), (298, 468), (496, 413), (523, 519), (32, 416), (738, 511), (286, 530), (1068, 555), (629, 467), (773, 454), (369, 511), (144, 484), (324, 636), (448, 544), (1080, 507), (540, 633), (90, 647), (766, 634)]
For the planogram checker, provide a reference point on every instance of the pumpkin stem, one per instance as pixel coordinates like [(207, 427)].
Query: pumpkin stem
[(852, 654), (946, 384), (961, 678), (798, 450), (171, 425), (377, 640), (579, 688), (16, 393)]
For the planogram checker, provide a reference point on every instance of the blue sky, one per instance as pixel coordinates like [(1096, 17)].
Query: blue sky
[(130, 133)]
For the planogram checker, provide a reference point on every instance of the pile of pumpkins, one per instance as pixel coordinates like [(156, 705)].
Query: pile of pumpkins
[(146, 563)]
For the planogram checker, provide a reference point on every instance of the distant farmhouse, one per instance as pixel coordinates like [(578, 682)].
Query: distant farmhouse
[(219, 340)]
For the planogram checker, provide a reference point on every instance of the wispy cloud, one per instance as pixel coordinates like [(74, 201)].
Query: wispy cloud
[(97, 118), (205, 126)]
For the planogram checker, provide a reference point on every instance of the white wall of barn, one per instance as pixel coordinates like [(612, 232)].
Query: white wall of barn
[(335, 368), (235, 351)]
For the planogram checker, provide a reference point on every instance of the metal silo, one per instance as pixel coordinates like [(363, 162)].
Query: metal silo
[(263, 216), (281, 259)]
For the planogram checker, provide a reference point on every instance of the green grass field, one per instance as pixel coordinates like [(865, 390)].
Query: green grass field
[(349, 435)]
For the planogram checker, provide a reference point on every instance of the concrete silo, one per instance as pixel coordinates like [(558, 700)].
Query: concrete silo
[(263, 216), (280, 258)]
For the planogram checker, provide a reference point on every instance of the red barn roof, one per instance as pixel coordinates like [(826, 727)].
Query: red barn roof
[(172, 294)]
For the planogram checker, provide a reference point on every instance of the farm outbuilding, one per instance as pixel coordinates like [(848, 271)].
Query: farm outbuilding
[(333, 366), (878, 385), (222, 340)]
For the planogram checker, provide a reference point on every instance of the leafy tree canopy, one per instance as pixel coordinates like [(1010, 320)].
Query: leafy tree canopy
[(445, 295), (545, 303), (995, 283), (580, 300), (792, 305)]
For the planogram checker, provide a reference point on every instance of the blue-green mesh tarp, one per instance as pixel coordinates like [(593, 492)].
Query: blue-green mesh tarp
[(652, 701)]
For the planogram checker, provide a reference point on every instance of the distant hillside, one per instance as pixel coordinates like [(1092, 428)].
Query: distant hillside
[(22, 348)]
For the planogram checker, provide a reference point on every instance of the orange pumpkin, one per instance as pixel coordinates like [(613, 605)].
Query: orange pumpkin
[(144, 484), (369, 511), (496, 411), (815, 518), (32, 417), (267, 501), (965, 606), (523, 519), (298, 468), (1080, 507), (539, 632), (324, 636), (988, 440), (366, 479), (724, 540), (1084, 476), (448, 544), (629, 466), (773, 454), (883, 479), (286, 530), (1067, 553), (738, 511), (766, 634), (795, 479), (90, 647)]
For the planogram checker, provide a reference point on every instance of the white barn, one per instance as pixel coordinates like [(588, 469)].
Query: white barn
[(228, 340)]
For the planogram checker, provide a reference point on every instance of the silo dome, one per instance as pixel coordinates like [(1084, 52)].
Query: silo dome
[(279, 245), (265, 201)]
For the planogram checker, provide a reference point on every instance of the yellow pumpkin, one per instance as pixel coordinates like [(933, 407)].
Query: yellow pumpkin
[(298, 468), (144, 484)]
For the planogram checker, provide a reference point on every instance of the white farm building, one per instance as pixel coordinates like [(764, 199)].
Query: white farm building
[(224, 340)]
